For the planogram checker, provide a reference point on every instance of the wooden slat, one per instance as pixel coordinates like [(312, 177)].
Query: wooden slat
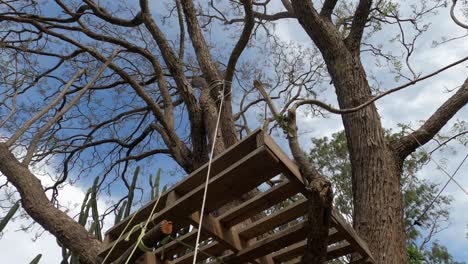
[(291, 169), (269, 244), (359, 245), (213, 229), (258, 203), (176, 247), (339, 250), (213, 249), (293, 174), (297, 249), (231, 155), (276, 219), (256, 167)]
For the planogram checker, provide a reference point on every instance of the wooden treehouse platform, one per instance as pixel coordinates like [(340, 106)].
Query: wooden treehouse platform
[(232, 236)]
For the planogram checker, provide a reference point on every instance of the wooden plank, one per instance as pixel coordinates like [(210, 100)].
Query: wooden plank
[(269, 244), (291, 169), (258, 203), (222, 161), (297, 249), (339, 250), (212, 249), (213, 229), (256, 167), (293, 174), (176, 246), (295, 260), (352, 237), (276, 219)]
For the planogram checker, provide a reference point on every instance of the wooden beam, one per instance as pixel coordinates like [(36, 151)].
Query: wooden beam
[(294, 175), (205, 252), (256, 167), (213, 229), (276, 219), (339, 250), (352, 237), (290, 168), (269, 244), (297, 249), (231, 155), (177, 247), (258, 203)]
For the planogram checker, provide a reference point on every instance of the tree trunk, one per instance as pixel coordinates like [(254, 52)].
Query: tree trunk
[(320, 198), (377, 199)]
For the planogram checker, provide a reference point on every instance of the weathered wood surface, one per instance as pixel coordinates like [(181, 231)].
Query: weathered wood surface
[(278, 237)]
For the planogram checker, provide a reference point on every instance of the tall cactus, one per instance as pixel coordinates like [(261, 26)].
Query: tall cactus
[(120, 213), (154, 186), (9, 215), (131, 192)]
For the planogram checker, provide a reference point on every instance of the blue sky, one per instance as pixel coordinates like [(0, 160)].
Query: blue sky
[(409, 106)]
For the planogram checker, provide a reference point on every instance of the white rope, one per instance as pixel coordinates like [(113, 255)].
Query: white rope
[(143, 229), (202, 211), (118, 239)]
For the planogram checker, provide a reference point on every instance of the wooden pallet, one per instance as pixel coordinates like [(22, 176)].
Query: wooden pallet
[(233, 236)]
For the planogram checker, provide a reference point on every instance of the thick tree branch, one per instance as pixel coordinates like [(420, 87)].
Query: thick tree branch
[(34, 201), (104, 15), (432, 126), (241, 43), (327, 8), (354, 38)]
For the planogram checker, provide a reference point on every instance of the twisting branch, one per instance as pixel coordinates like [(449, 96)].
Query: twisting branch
[(334, 110), (320, 193), (241, 43), (454, 18)]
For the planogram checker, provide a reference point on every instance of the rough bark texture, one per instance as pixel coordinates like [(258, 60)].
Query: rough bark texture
[(37, 205), (378, 205), (320, 198)]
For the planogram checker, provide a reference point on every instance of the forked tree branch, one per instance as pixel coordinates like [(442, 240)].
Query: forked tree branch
[(354, 38), (327, 8)]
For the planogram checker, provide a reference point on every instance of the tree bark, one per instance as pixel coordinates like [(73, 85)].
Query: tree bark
[(34, 201), (377, 200)]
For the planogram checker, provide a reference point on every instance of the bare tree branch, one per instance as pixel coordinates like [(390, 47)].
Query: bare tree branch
[(432, 126)]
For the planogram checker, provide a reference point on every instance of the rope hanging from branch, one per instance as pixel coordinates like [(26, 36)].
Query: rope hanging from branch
[(202, 210)]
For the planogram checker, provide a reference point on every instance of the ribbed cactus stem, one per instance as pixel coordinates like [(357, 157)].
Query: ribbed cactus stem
[(9, 215), (119, 215), (157, 183), (131, 191), (84, 211), (36, 259)]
